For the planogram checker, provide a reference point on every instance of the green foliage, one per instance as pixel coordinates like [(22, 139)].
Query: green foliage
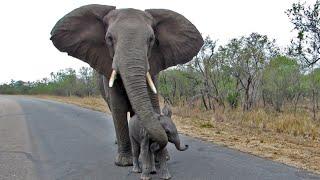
[(248, 71), (177, 85), (281, 81), (63, 83), (306, 21), (233, 99)]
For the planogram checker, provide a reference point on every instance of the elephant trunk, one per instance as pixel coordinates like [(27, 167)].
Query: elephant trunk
[(178, 145), (133, 74)]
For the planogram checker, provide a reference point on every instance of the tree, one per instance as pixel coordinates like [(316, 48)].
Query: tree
[(281, 81), (64, 83), (306, 46), (87, 85), (202, 65), (214, 74), (247, 57), (177, 86), (306, 21)]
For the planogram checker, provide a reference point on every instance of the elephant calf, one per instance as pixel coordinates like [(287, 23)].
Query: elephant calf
[(141, 142)]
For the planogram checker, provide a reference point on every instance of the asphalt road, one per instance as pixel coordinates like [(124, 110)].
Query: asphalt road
[(41, 139)]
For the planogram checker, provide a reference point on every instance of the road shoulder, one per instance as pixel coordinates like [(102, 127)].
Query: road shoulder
[(16, 161)]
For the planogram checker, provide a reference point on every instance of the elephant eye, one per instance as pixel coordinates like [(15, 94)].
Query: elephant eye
[(156, 42), (167, 130), (151, 40), (109, 39)]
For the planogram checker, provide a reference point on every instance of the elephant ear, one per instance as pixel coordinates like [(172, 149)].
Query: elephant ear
[(81, 33), (166, 111), (177, 40)]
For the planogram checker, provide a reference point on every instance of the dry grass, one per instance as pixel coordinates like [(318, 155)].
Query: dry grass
[(289, 138), (299, 124), (284, 137)]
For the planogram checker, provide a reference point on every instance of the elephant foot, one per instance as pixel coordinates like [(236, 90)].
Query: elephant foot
[(153, 170), (124, 160), (166, 176), (136, 169), (145, 177)]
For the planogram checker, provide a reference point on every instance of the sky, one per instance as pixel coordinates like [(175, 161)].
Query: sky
[(27, 53)]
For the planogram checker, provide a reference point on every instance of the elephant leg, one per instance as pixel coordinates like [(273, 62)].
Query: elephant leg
[(157, 158), (120, 105), (146, 159), (104, 90), (153, 163), (135, 155), (164, 172)]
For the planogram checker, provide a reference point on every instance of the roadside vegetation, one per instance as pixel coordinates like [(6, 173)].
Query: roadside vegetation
[(247, 94)]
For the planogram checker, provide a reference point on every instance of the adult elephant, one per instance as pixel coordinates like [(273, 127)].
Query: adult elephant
[(129, 48)]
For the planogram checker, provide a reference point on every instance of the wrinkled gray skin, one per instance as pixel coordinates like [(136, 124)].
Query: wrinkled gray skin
[(131, 42), (141, 144)]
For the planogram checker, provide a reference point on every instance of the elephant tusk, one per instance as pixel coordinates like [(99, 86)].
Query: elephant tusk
[(112, 78), (128, 116), (151, 84)]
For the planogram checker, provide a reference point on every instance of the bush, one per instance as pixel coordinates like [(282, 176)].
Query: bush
[(233, 99)]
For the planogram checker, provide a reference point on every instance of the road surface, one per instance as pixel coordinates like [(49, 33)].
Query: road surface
[(42, 139)]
